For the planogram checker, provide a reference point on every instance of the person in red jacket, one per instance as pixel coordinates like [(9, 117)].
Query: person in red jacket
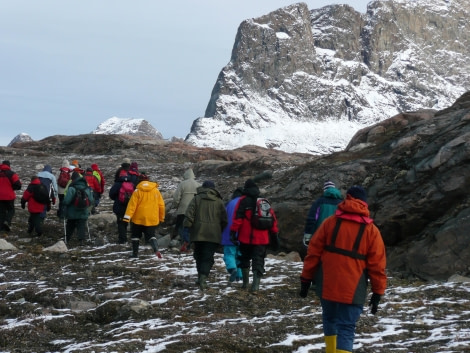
[(9, 182), (253, 242), (99, 175), (345, 253), (95, 186), (37, 200)]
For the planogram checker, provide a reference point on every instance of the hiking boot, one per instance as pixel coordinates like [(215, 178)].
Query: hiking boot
[(203, 282), (233, 274), (256, 280), (246, 277), (157, 254), (133, 256)]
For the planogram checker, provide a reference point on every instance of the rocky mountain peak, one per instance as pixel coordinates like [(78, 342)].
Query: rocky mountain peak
[(306, 81), (131, 126), (23, 137)]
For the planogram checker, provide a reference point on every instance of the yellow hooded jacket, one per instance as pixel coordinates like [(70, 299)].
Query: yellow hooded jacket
[(146, 206)]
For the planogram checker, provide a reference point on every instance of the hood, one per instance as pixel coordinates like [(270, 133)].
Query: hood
[(252, 191), (188, 174), (354, 210), (80, 183), (47, 168), (94, 166), (147, 186), (333, 193), (208, 193)]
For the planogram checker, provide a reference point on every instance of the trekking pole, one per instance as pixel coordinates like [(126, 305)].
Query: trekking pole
[(88, 227), (65, 232)]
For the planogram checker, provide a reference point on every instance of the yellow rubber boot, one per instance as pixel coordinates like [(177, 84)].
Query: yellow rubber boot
[(342, 351), (330, 342)]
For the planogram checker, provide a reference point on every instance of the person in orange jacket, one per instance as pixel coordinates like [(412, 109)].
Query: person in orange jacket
[(345, 253)]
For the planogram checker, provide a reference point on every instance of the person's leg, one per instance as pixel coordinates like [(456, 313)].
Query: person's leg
[(70, 228), (245, 259), (206, 261), (61, 206), (178, 227), (151, 238), (10, 212), (230, 253), (136, 234), (81, 229), (38, 223), (122, 229), (347, 316), (258, 255)]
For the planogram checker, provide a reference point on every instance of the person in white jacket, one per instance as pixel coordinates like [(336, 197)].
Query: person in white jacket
[(181, 198)]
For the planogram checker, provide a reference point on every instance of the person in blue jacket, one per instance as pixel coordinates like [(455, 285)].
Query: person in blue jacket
[(231, 251)]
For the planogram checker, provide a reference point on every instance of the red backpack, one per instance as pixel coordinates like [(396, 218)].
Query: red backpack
[(125, 192), (64, 177)]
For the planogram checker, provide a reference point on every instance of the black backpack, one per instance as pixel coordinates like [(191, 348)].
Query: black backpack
[(81, 199), (48, 184), (40, 193)]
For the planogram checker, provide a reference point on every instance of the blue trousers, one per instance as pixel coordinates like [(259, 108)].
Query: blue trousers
[(340, 319), (231, 258)]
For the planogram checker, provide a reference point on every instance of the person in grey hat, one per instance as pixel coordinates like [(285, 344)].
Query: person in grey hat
[(321, 209)]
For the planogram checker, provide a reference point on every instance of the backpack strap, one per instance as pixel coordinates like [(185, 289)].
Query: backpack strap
[(351, 253)]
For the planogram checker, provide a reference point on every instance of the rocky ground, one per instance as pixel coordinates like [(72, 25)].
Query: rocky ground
[(93, 298)]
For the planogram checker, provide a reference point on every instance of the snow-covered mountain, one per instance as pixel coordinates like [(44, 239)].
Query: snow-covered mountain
[(23, 137), (306, 81), (129, 126)]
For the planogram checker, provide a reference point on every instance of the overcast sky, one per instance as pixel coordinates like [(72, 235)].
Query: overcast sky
[(67, 66)]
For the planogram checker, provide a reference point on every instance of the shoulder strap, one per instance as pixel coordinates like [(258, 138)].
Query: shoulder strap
[(351, 253)]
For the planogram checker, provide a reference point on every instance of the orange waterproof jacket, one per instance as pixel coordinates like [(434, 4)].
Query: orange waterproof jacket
[(341, 272)]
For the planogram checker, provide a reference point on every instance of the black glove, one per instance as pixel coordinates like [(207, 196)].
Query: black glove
[(304, 286), (233, 237), (374, 303)]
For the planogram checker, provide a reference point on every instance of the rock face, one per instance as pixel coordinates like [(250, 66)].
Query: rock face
[(23, 137), (323, 74), (137, 127)]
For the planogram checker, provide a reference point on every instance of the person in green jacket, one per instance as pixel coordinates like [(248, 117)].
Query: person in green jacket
[(75, 214), (205, 218)]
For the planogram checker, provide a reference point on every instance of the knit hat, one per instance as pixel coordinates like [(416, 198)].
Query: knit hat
[(328, 184), (357, 192), (75, 163), (65, 163), (208, 184), (6, 162), (47, 168), (249, 184), (75, 175), (89, 169), (126, 160)]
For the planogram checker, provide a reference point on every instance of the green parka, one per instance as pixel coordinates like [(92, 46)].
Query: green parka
[(73, 212), (206, 216)]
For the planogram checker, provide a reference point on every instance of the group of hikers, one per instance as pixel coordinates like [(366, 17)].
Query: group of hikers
[(345, 250)]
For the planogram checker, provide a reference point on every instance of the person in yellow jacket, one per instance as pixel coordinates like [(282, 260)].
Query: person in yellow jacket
[(145, 211), (345, 254)]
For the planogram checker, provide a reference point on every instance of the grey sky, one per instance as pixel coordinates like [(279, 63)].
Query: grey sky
[(67, 66)]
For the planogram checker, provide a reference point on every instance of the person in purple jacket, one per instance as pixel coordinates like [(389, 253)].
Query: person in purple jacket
[(231, 251)]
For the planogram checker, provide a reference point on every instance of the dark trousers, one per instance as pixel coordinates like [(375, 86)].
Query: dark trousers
[(178, 226), (137, 230), (254, 254), (204, 255), (61, 207), (7, 211), (72, 224), (35, 222), (122, 230)]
